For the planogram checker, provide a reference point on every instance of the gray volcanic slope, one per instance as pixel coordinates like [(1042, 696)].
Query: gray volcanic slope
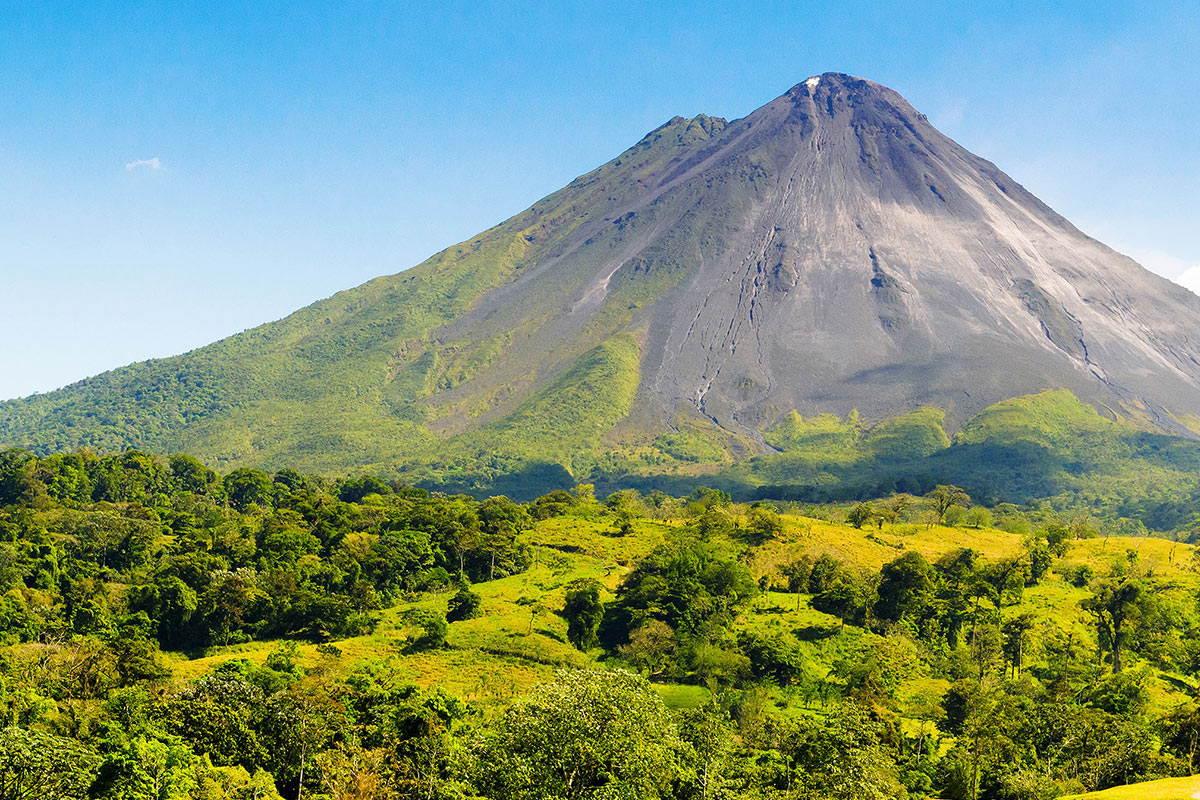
[(838, 252), (884, 267), (831, 251)]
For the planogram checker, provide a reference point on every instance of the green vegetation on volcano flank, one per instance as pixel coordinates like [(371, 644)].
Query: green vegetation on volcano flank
[(347, 382)]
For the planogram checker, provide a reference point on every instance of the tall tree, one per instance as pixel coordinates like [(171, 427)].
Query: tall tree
[(1113, 602), (586, 734), (39, 766), (583, 611), (945, 497)]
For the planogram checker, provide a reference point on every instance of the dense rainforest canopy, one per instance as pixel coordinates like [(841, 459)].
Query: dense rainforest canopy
[(168, 632)]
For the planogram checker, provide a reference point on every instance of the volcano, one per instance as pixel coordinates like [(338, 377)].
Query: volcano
[(830, 252)]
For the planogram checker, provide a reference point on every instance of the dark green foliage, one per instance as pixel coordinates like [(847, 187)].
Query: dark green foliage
[(809, 708), (583, 611), (43, 766), (587, 734), (1040, 559), (555, 504), (355, 489), (763, 525), (840, 758), (218, 715), (905, 586), (285, 557), (845, 598), (686, 585), (1081, 575), (246, 486), (822, 574), (861, 514), (431, 627), (1113, 603), (464, 604), (775, 656)]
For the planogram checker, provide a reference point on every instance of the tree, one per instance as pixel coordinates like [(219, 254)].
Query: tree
[(715, 521), (583, 611), (707, 730), (355, 489), (651, 646), (1016, 636), (844, 599), (216, 715), (245, 486), (688, 585), (190, 475), (797, 574), (905, 583), (171, 603), (1040, 559), (586, 734), (555, 504), (626, 504), (396, 557), (764, 524), (297, 724), (227, 604), (824, 571), (500, 522), (1006, 577), (432, 626), (1113, 602), (945, 497), (773, 656), (39, 766), (840, 757), (352, 773), (897, 504), (975, 712), (235, 783), (977, 517), (464, 604), (860, 515), (148, 769)]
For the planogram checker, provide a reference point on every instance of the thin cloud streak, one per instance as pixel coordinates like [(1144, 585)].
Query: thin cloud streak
[(153, 164)]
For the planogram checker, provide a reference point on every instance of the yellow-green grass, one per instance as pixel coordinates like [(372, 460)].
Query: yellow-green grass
[(870, 548), (680, 696), (1160, 557), (520, 640), (1167, 789)]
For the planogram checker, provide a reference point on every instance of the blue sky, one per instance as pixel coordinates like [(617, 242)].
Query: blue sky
[(171, 175)]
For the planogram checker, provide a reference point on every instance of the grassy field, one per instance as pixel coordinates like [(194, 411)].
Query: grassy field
[(1168, 789), (520, 640)]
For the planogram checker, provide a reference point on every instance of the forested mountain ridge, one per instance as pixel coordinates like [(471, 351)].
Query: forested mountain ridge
[(830, 252)]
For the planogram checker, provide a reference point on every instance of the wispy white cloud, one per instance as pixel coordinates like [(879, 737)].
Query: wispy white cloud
[(1164, 263), (950, 115), (153, 164), (1189, 279)]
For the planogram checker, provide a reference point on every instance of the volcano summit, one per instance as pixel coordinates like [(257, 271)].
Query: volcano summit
[(831, 251)]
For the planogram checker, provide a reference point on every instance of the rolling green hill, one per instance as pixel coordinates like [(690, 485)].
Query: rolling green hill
[(1166, 789), (1047, 445)]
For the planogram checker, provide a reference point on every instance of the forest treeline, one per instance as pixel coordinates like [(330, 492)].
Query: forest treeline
[(928, 677)]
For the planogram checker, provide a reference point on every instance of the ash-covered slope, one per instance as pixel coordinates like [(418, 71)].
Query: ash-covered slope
[(834, 251), (881, 266), (831, 251)]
